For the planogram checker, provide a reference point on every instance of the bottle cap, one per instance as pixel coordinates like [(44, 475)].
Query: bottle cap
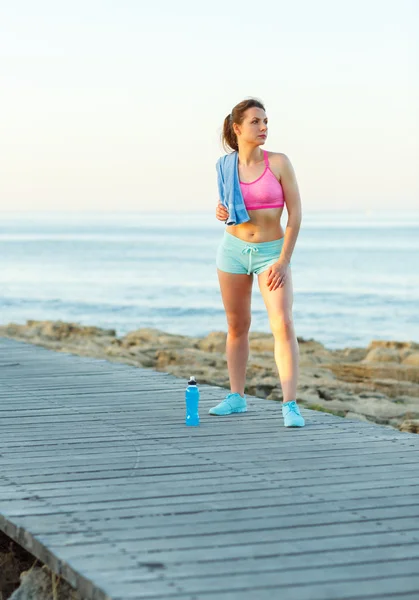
[(192, 380)]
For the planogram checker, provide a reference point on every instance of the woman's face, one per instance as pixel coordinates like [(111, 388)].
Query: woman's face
[(254, 129)]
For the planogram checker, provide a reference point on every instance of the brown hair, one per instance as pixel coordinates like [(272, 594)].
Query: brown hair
[(228, 137)]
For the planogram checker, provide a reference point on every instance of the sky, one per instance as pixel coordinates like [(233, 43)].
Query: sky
[(118, 105)]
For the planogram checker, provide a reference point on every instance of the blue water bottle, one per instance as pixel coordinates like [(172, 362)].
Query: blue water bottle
[(192, 401)]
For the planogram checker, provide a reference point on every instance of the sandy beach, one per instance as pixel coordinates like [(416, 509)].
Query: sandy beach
[(377, 383)]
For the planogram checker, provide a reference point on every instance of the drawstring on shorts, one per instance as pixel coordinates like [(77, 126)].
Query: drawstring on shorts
[(250, 249)]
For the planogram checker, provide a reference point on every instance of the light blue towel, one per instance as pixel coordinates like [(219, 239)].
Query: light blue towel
[(229, 189)]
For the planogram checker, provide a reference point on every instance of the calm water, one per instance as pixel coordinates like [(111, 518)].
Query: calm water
[(356, 277)]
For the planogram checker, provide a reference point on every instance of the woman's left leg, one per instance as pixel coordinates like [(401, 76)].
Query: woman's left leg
[(279, 306)]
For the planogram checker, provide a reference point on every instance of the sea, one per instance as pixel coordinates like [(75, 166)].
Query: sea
[(355, 276)]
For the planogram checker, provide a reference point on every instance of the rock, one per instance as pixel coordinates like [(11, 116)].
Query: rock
[(13, 560), (261, 342), (135, 355), (188, 356), (353, 354), (265, 387), (394, 345), (154, 337), (383, 355), (403, 399), (37, 584), (394, 388), (214, 342), (353, 415), (275, 394), (410, 425), (412, 359), (55, 330), (376, 409), (371, 394), (315, 352), (364, 371), (325, 393)]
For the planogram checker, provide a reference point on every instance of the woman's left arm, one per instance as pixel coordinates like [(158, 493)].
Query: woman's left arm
[(293, 203), (278, 271)]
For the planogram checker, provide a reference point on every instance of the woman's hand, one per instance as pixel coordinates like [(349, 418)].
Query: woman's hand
[(277, 274), (221, 212)]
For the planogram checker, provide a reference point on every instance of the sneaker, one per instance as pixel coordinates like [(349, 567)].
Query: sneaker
[(232, 403), (291, 414)]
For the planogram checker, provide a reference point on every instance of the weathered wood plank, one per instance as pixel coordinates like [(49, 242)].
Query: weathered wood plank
[(371, 540), (373, 587), (281, 580), (280, 561)]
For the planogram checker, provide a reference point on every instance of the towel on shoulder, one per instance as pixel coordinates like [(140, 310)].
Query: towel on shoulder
[(229, 189)]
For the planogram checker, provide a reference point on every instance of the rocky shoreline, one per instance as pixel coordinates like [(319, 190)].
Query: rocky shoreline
[(379, 383)]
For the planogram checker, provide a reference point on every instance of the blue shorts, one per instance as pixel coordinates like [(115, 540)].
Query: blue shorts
[(237, 256)]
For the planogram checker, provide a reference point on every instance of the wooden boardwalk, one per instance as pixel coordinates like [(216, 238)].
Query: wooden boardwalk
[(101, 479)]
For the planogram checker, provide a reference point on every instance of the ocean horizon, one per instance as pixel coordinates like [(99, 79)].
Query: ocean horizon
[(356, 276)]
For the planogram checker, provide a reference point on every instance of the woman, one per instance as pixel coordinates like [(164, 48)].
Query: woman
[(254, 242)]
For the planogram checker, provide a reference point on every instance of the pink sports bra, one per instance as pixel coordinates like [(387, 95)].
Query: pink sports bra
[(265, 192)]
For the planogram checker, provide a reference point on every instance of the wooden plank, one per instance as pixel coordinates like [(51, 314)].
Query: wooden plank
[(278, 562), (281, 580), (342, 543), (131, 490), (220, 540), (347, 590), (210, 533), (127, 517)]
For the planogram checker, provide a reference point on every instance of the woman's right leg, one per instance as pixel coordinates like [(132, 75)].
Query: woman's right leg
[(236, 293)]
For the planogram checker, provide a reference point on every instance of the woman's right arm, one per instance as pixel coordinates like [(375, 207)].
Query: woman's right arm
[(221, 211)]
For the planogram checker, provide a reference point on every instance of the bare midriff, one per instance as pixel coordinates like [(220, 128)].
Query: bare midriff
[(264, 226)]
